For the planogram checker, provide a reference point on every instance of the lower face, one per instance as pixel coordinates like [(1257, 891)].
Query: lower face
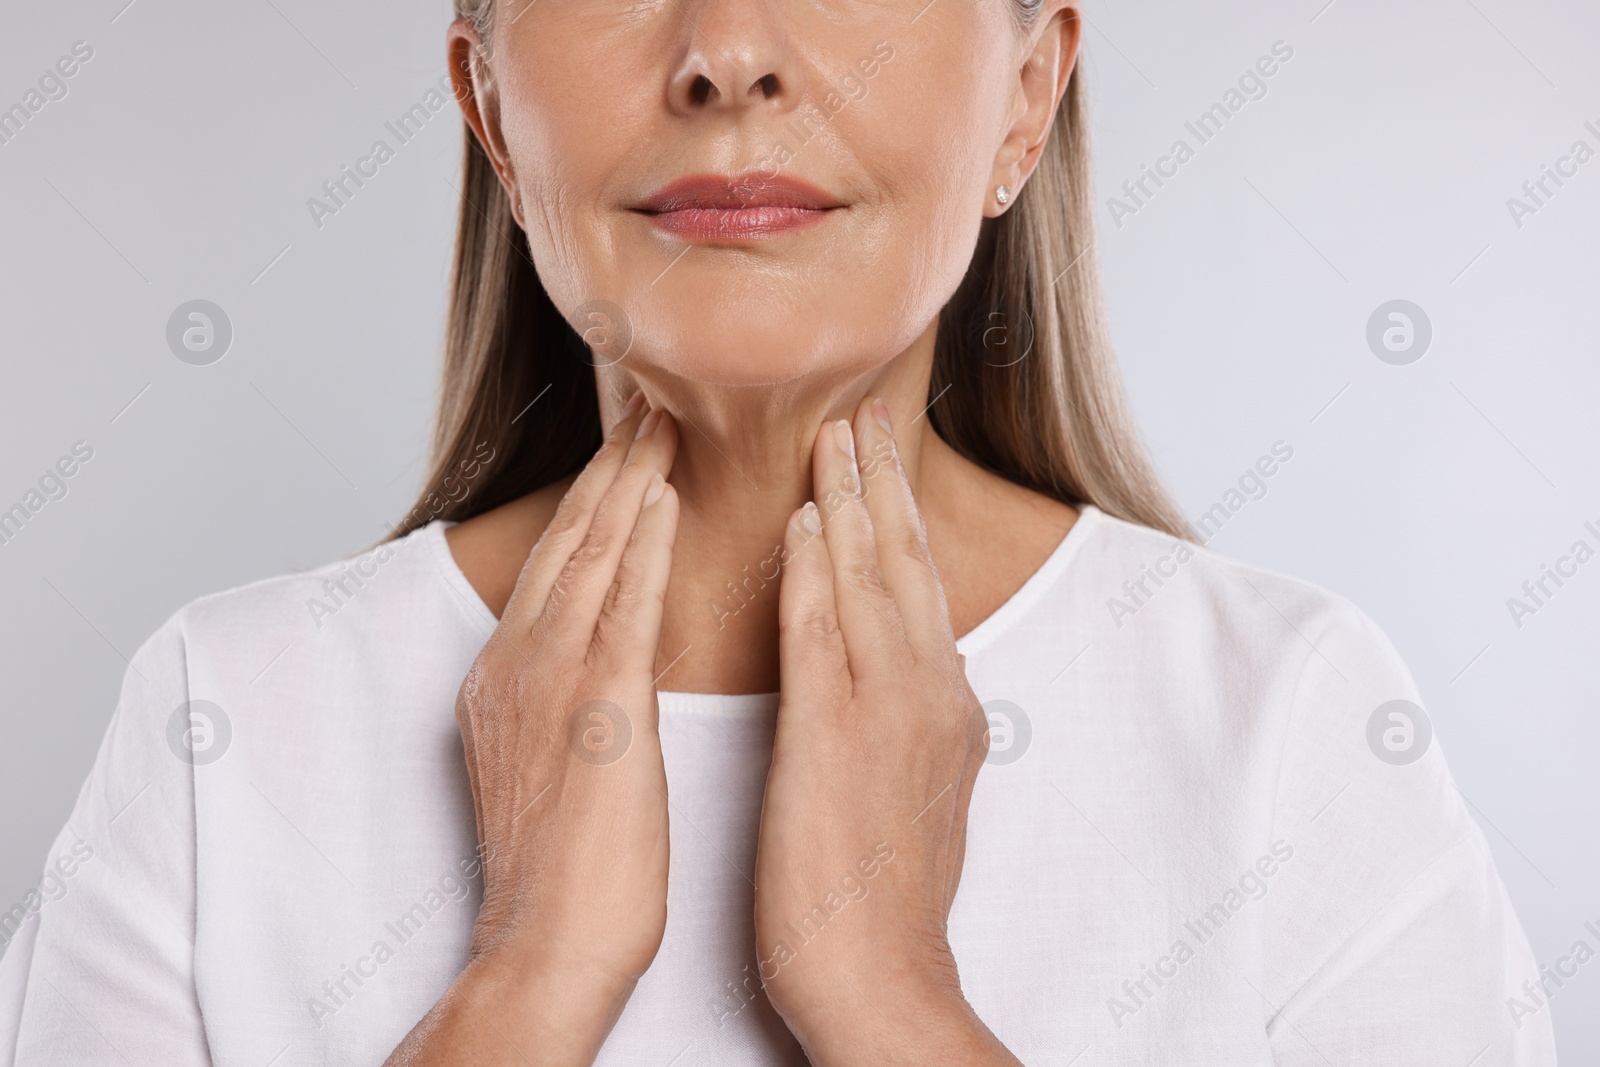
[(748, 239)]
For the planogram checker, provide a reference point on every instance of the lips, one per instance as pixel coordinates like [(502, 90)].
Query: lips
[(719, 207)]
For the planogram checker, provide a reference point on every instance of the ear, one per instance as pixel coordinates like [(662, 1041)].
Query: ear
[(1051, 51), (472, 79)]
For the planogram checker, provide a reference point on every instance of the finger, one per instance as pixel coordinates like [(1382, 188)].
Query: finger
[(570, 524), (868, 618), (811, 655), (628, 635), (572, 609), (901, 536)]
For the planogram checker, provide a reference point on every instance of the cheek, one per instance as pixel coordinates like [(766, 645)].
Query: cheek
[(572, 139), (587, 132)]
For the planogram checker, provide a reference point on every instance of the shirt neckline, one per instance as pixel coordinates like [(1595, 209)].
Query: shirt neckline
[(973, 641)]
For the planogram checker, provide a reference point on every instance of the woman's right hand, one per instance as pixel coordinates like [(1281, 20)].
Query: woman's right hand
[(558, 718)]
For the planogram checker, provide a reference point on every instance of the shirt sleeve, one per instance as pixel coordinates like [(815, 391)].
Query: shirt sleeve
[(1390, 938), (100, 968)]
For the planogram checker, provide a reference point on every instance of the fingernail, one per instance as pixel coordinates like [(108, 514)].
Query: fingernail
[(845, 438), (880, 411), (810, 520), (648, 423), (633, 404), (658, 486)]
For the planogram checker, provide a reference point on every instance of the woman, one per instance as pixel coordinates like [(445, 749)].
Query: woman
[(782, 484)]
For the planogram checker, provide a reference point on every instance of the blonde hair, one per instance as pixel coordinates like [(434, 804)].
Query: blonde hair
[(1054, 421)]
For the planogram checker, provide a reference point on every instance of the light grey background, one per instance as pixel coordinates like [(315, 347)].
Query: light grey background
[(1378, 166)]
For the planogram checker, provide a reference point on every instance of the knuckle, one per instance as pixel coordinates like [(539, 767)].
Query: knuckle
[(912, 544), (563, 526), (624, 599), (555, 601), (494, 680), (867, 579), (596, 547), (816, 625), (615, 445)]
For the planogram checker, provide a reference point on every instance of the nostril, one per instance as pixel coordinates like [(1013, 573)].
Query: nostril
[(768, 85), (701, 89)]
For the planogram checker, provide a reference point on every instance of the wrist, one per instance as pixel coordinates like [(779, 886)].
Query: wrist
[(909, 1020), (552, 1013)]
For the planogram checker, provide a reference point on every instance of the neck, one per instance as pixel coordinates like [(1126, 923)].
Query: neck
[(743, 467)]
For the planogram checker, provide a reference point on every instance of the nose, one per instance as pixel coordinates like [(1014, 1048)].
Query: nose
[(736, 57)]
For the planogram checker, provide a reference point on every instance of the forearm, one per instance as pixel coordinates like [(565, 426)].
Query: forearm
[(504, 1011), (870, 1024)]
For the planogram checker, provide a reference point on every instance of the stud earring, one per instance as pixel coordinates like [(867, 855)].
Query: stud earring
[(1003, 194)]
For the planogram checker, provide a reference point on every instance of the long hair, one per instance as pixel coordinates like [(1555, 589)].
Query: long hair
[(1024, 381)]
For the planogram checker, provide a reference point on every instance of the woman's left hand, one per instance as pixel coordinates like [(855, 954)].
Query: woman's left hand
[(879, 740)]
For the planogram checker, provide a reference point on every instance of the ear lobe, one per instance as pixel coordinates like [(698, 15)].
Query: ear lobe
[(1041, 84)]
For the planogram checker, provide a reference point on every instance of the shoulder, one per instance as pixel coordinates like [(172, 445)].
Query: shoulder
[(1289, 670), (1144, 575), (372, 598)]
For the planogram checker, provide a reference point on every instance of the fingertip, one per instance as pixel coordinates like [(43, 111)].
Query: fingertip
[(844, 438), (811, 518), (880, 414), (627, 424), (803, 526), (663, 508), (668, 504), (669, 434), (647, 424), (655, 439), (866, 422)]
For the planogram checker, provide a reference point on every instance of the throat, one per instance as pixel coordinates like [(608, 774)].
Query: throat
[(719, 630), (721, 644)]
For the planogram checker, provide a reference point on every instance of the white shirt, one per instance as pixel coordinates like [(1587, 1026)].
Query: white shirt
[(1184, 849)]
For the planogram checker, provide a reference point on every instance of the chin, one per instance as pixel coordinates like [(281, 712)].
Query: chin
[(736, 349), (767, 330)]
